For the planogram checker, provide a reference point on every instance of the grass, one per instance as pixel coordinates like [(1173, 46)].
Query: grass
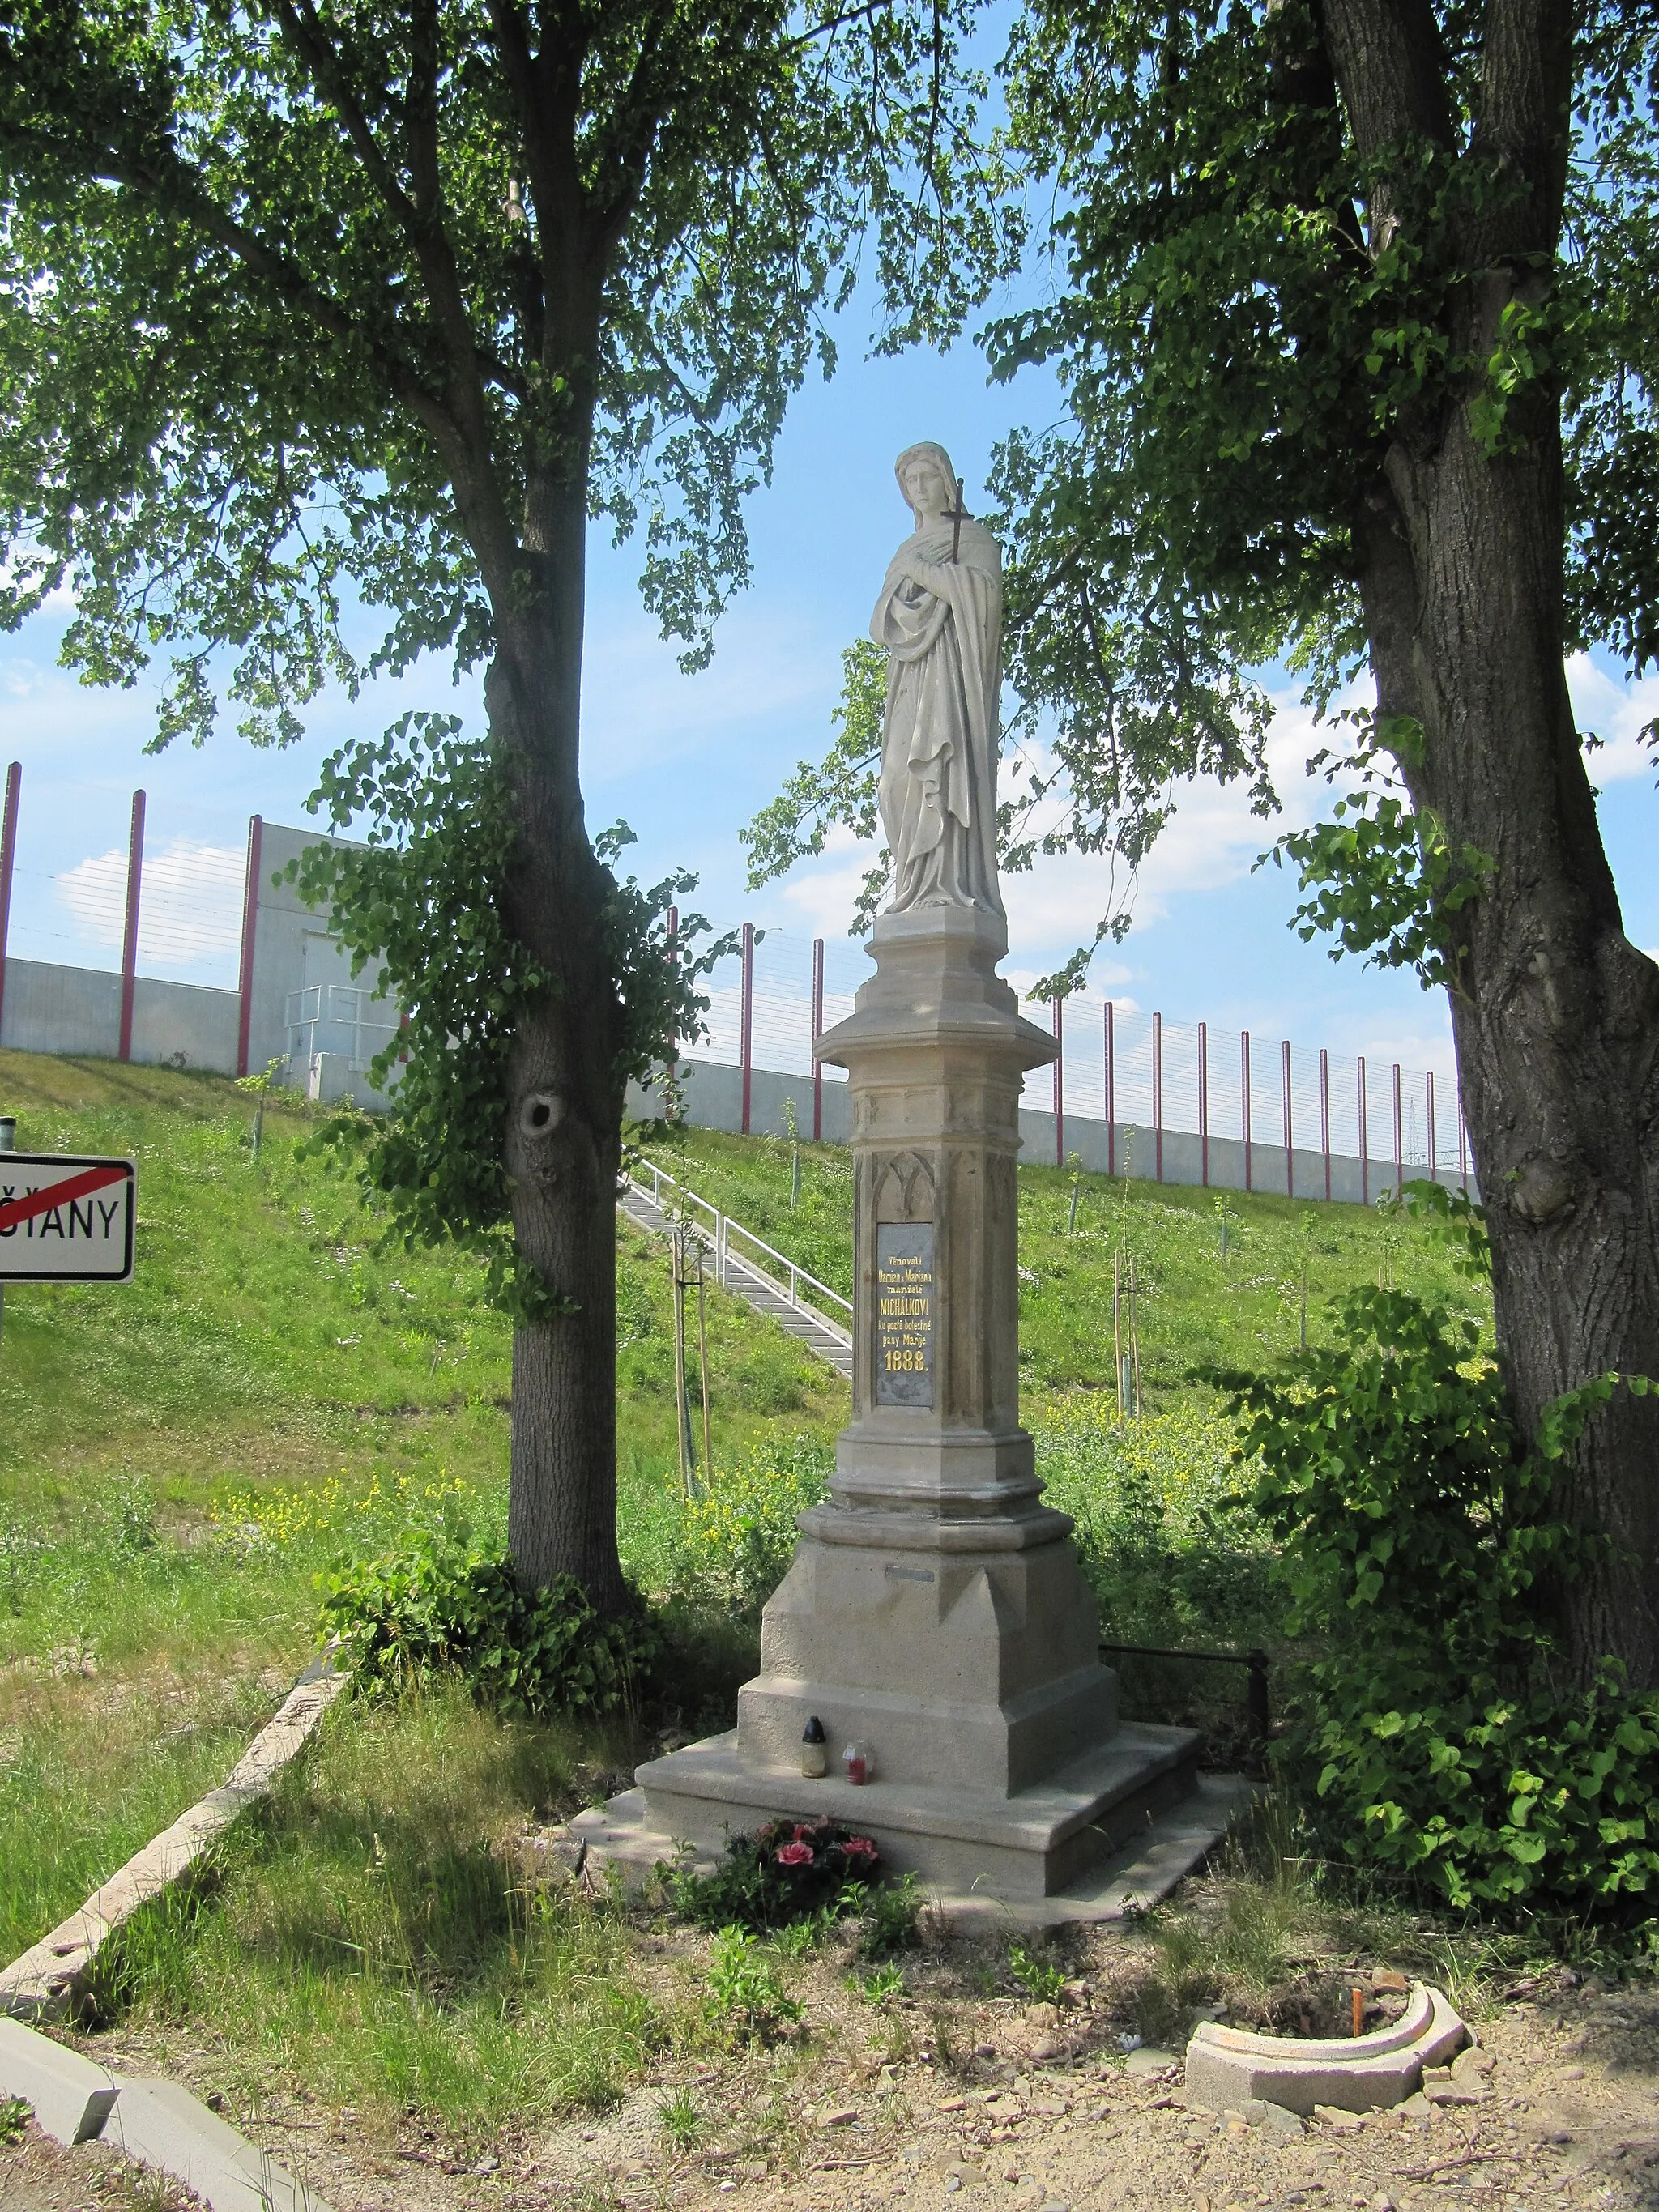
[(182, 1454), (1199, 1312), (371, 1936), (181, 1457)]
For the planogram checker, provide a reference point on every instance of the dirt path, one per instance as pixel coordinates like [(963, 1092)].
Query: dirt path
[(1568, 2117)]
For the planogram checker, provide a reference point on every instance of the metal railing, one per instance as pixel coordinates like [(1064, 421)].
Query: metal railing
[(1256, 1694), (725, 1229)]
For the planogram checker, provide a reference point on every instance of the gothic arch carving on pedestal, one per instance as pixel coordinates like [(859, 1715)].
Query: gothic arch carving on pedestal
[(905, 1187)]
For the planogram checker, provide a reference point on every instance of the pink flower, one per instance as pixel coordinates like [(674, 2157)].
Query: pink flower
[(793, 1855), (859, 1847)]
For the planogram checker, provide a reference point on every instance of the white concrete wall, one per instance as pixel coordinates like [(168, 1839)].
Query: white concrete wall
[(78, 1011), (293, 952)]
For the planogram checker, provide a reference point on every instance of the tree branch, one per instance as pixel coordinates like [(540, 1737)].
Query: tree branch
[(420, 214), (310, 43), (1391, 64), (833, 23)]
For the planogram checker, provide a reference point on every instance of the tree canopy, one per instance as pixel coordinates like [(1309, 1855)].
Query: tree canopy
[(301, 299), (1247, 310), (327, 319)]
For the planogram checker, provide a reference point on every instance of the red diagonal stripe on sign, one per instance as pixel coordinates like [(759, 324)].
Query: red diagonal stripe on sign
[(59, 1193)]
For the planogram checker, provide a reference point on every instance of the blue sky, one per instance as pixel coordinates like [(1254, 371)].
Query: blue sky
[(687, 760)]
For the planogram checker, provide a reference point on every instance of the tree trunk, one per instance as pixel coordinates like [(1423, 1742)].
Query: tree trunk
[(1557, 1015), (564, 1103), (1557, 1023)]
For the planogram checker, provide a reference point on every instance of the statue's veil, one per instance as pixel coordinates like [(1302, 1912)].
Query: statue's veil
[(927, 450)]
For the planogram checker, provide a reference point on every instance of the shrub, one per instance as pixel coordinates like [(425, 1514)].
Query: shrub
[(789, 1870), (740, 1536), (1419, 1532), (1160, 1529), (443, 1602)]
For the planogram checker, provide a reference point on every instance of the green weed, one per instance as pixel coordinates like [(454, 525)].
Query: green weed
[(682, 2122), (1040, 1979), (876, 1988), (892, 1913), (15, 2116), (746, 1997)]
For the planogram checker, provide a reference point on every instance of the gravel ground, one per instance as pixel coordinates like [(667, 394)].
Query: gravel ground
[(950, 2096)]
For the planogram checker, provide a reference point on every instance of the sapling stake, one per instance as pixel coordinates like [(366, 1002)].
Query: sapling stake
[(793, 1126), (680, 1423), (1118, 1333), (702, 1365)]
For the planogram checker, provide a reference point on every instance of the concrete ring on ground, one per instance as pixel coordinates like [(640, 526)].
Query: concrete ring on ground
[(1228, 2066)]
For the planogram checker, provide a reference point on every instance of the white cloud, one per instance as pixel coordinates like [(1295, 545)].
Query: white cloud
[(189, 907), (640, 710), (1617, 709)]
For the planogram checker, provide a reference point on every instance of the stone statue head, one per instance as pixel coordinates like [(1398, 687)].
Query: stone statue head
[(927, 481)]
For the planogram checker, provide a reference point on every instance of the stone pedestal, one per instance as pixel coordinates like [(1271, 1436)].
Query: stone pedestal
[(935, 1608)]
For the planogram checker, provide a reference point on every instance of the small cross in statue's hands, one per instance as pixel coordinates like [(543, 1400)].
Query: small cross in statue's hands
[(955, 516)]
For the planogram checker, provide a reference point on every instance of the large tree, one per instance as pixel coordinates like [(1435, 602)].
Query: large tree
[(310, 308), (1356, 310)]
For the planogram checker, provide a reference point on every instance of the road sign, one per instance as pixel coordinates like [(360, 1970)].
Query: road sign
[(65, 1219)]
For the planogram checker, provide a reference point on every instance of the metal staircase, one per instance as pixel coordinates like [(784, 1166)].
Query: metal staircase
[(651, 1199)]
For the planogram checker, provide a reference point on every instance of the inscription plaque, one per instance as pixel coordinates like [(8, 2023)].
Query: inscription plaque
[(904, 1313)]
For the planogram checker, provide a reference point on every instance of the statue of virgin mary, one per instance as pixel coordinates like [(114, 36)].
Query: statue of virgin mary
[(940, 617)]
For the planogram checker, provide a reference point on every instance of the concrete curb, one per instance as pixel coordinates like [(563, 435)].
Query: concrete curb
[(157, 2123), (51, 1976), (71, 2097), (160, 2125), (1227, 2068)]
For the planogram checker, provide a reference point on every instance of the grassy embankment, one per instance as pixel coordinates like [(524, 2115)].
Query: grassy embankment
[(178, 1458)]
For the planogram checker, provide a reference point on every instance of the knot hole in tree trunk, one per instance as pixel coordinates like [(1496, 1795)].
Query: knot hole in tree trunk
[(540, 1113)]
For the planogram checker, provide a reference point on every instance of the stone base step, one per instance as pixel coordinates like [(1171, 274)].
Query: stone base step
[(968, 1881)]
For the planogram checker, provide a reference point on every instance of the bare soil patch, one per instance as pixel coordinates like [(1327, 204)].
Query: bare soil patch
[(947, 2097)]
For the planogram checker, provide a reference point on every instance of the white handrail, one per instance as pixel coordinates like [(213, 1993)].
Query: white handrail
[(724, 1226)]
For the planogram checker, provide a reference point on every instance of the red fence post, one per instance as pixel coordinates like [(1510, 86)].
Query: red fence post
[(746, 1029), (1157, 1094), (8, 855), (1244, 1084), (1428, 1077), (256, 830), (817, 1031), (129, 937), (1060, 1079), (1290, 1132), (1325, 1116), (1204, 1104), (1399, 1136), (1364, 1161), (1111, 1094)]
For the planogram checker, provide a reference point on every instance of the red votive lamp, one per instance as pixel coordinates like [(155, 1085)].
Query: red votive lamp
[(856, 1763)]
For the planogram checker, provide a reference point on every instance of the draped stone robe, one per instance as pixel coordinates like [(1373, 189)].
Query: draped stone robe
[(938, 760)]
